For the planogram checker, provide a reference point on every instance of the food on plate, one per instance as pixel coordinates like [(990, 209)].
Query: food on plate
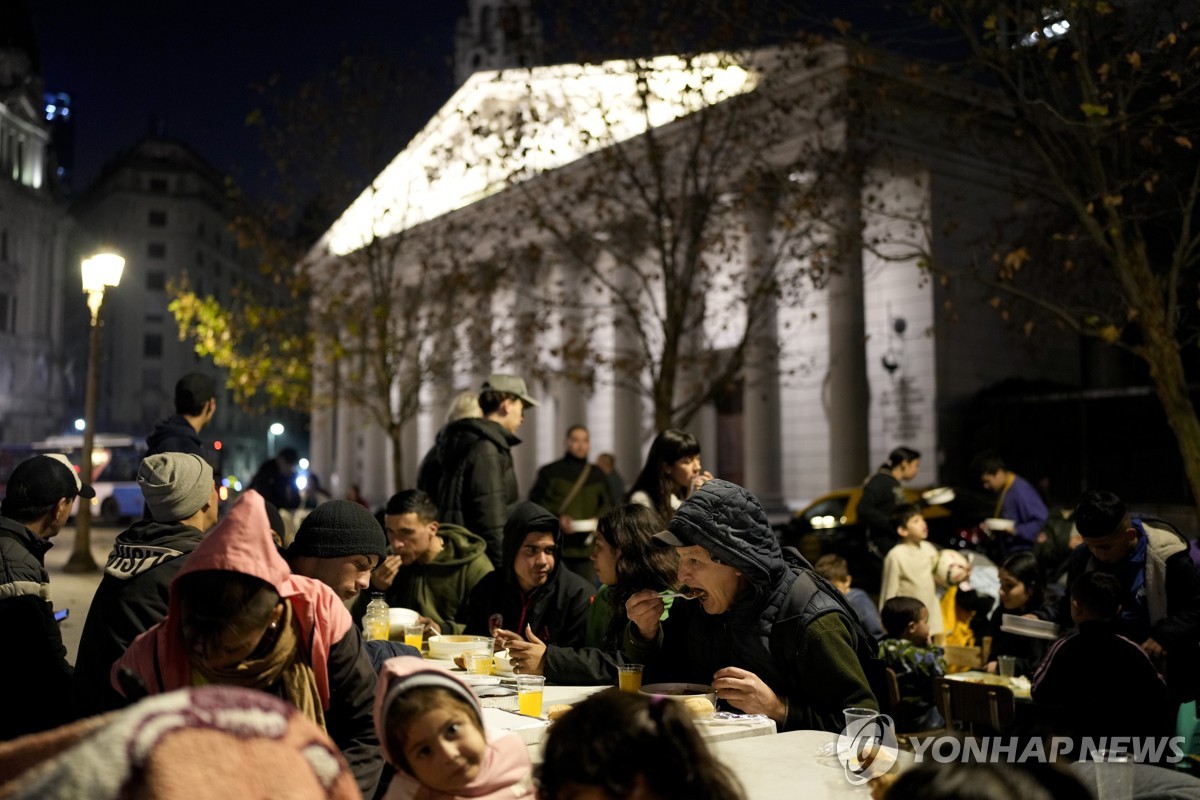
[(557, 710), (698, 706)]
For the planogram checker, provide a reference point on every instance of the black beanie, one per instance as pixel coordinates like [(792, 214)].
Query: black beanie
[(339, 528)]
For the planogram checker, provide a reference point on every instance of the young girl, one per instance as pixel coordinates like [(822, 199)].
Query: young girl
[(1022, 591), (618, 745), (671, 473), (430, 729)]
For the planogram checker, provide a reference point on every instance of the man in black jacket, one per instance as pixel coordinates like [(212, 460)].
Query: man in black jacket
[(195, 405), (532, 593), (33, 670), (469, 474), (134, 593)]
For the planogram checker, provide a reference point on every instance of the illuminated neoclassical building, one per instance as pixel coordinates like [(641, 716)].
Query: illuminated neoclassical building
[(868, 361)]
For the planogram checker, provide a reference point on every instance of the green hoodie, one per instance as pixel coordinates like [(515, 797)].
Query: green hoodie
[(439, 589)]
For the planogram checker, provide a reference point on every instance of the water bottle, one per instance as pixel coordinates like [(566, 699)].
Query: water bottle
[(376, 621)]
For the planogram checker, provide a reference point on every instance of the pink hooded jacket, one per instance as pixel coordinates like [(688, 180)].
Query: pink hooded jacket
[(240, 543), (506, 773)]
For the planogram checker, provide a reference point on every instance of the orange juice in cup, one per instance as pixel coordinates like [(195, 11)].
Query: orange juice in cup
[(413, 634), (629, 677), (529, 694)]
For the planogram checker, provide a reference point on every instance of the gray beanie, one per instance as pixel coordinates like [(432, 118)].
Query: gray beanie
[(175, 485), (339, 528)]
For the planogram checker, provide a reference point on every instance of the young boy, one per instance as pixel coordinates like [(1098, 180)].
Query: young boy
[(906, 650), (908, 568), (834, 569), (1095, 682)]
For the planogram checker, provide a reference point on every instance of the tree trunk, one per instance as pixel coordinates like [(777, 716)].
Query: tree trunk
[(396, 434), (1170, 382)]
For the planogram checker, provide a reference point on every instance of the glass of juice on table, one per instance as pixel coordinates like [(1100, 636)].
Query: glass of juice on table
[(629, 677), (529, 694), (413, 634), (478, 663)]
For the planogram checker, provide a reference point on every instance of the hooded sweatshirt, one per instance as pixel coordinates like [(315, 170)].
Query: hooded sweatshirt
[(506, 771), (556, 610), (174, 435), (788, 626), (242, 543), (132, 596), (439, 590)]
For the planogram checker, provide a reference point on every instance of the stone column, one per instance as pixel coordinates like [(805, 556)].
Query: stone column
[(762, 443), (847, 394)]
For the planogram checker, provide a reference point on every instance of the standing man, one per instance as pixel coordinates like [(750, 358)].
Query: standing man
[(1016, 500), (433, 566), (607, 463), (470, 475), (34, 668), (578, 493), (136, 588), (276, 480), (195, 405)]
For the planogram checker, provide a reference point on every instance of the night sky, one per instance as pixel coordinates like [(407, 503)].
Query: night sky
[(191, 64)]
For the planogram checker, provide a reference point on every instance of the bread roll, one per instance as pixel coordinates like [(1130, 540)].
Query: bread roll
[(698, 706), (557, 710)]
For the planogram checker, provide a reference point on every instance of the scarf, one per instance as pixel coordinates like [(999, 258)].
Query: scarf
[(284, 663)]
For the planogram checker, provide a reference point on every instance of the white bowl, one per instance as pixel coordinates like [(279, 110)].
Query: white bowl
[(939, 496), (503, 666), (997, 524), (448, 646), (397, 619)]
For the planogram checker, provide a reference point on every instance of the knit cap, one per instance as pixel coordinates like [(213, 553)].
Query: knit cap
[(175, 485), (339, 528)]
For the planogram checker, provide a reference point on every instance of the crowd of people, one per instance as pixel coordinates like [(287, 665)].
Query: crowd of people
[(200, 619)]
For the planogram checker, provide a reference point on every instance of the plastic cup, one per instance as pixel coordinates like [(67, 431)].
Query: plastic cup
[(529, 694), (414, 634), (858, 715), (1114, 775), (629, 677), (478, 663), (1006, 666)]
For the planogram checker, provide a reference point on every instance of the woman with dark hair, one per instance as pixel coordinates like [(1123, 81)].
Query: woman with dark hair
[(238, 617), (617, 744), (1022, 592), (671, 473), (627, 560), (882, 493)]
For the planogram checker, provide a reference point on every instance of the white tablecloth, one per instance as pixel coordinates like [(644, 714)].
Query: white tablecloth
[(787, 765)]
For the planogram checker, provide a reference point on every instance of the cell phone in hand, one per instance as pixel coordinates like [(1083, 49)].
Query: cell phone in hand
[(62, 614)]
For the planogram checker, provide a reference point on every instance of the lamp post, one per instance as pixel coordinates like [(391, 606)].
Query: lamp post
[(276, 429), (99, 272)]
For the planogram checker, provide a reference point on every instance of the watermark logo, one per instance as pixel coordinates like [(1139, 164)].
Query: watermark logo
[(867, 748), (1039, 750)]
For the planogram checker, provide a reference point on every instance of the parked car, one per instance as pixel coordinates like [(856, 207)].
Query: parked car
[(830, 524)]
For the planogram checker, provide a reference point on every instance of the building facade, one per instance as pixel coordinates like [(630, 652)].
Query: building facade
[(868, 360), (164, 208)]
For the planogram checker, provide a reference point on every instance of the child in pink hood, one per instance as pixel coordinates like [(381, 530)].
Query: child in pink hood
[(430, 728)]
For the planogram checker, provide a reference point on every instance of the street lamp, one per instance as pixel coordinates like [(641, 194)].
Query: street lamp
[(99, 272), (276, 429)]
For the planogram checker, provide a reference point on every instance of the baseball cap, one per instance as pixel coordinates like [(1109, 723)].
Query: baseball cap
[(673, 539), (510, 384), (45, 479)]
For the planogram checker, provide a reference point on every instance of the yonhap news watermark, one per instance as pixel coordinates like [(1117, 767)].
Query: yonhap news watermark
[(1014, 750), (868, 748)]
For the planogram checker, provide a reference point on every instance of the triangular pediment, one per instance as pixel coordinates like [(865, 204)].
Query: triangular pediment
[(457, 159)]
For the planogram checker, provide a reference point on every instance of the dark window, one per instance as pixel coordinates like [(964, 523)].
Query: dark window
[(151, 379), (156, 280), (5, 317), (158, 219), (156, 250), (4, 245), (154, 318), (158, 184), (152, 345)]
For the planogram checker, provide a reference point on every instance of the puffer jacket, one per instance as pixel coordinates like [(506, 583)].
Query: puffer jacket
[(34, 670), (471, 478), (789, 626), (132, 596), (556, 610), (345, 679)]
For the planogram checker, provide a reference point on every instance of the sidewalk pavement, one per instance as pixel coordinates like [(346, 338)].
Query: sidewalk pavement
[(75, 592)]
